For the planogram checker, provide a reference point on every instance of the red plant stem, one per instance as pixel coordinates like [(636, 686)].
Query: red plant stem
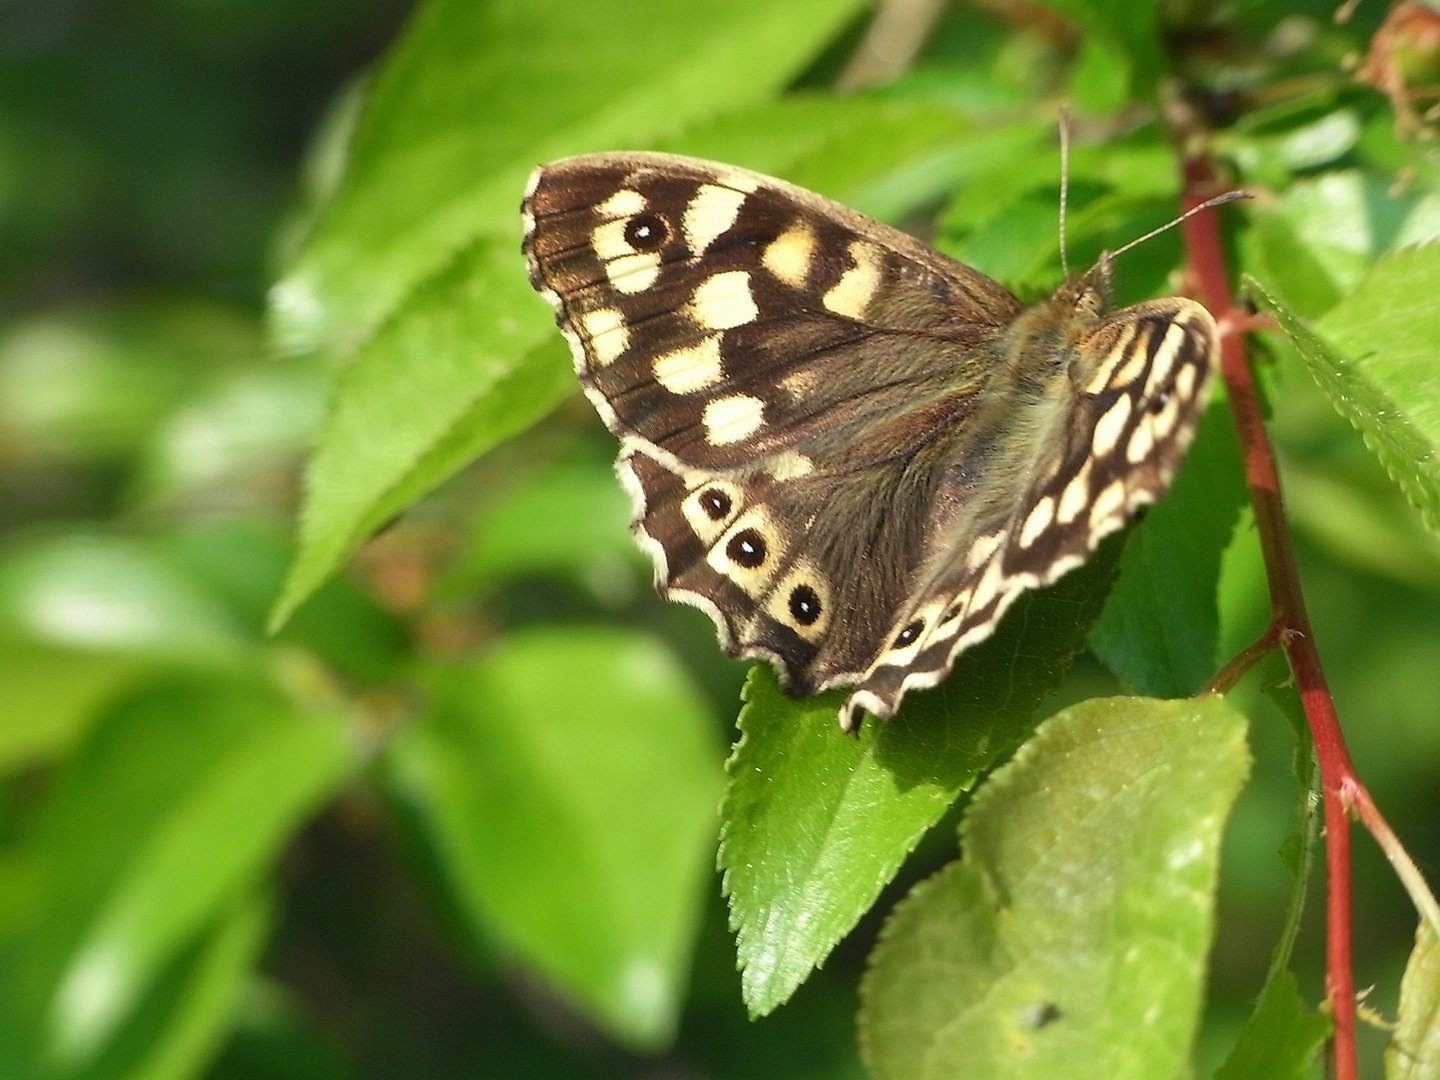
[(1206, 262)]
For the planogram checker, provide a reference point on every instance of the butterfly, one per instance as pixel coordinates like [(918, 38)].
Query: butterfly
[(851, 451)]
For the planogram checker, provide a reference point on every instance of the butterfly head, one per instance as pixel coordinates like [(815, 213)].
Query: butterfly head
[(1089, 293)]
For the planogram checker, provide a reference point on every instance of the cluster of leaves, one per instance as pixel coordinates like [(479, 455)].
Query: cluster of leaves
[(495, 701)]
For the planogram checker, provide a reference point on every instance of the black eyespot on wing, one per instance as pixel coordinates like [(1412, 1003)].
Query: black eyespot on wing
[(909, 634), (646, 232), (746, 548), (804, 605), (715, 503)]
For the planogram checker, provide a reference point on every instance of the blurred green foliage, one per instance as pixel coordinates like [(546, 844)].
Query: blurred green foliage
[(455, 815)]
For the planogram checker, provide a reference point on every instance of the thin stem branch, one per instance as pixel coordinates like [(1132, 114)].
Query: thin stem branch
[(899, 31), (1409, 874), (1235, 668), (1305, 863), (1291, 621)]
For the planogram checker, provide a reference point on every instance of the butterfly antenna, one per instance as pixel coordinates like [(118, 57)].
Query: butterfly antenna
[(1218, 200), (1064, 184)]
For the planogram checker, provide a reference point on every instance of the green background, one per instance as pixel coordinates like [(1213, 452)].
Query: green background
[(267, 340)]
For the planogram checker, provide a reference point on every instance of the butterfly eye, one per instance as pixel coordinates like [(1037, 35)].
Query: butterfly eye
[(645, 232), (804, 605), (715, 503), (1159, 401), (746, 548)]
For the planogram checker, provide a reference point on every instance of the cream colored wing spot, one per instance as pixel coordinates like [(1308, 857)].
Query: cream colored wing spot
[(606, 333), (910, 638), (981, 550), (608, 240), (853, 292), (1002, 593), (1165, 358), (1076, 496), (1106, 505), (1101, 379), (695, 367), (1165, 420), (710, 508), (629, 270), (1185, 382), (1037, 521), (633, 273), (730, 419), (790, 465), (954, 609), (1142, 441), (1109, 426), (740, 181), (987, 588), (750, 552), (708, 215), (625, 203), (790, 254), (723, 301), (799, 383), (1133, 365), (801, 601)]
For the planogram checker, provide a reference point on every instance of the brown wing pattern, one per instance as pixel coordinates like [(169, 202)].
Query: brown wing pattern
[(719, 316), (851, 451), (1135, 390)]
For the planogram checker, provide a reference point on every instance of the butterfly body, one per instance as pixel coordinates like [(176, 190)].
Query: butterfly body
[(848, 449)]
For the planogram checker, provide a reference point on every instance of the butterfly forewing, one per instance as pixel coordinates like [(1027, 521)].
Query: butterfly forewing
[(849, 450), (719, 315)]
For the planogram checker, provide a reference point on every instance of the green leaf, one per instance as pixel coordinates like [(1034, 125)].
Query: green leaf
[(242, 563), (173, 808), (1375, 363), (276, 1038), (1281, 1039), (1414, 1050), (883, 156), (49, 696), (568, 519), (1390, 389), (1006, 223), (475, 95), (815, 823), (445, 381), (234, 436), (187, 1014), (1316, 241), (1160, 626), (103, 593), (1071, 939), (94, 380), (1349, 509), (567, 782), (1124, 35), (1100, 77)]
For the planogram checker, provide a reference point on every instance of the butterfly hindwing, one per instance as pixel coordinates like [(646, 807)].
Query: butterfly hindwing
[(848, 449), (766, 557), (1138, 383)]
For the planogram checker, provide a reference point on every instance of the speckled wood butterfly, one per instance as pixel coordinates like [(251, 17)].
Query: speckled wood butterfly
[(849, 450)]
